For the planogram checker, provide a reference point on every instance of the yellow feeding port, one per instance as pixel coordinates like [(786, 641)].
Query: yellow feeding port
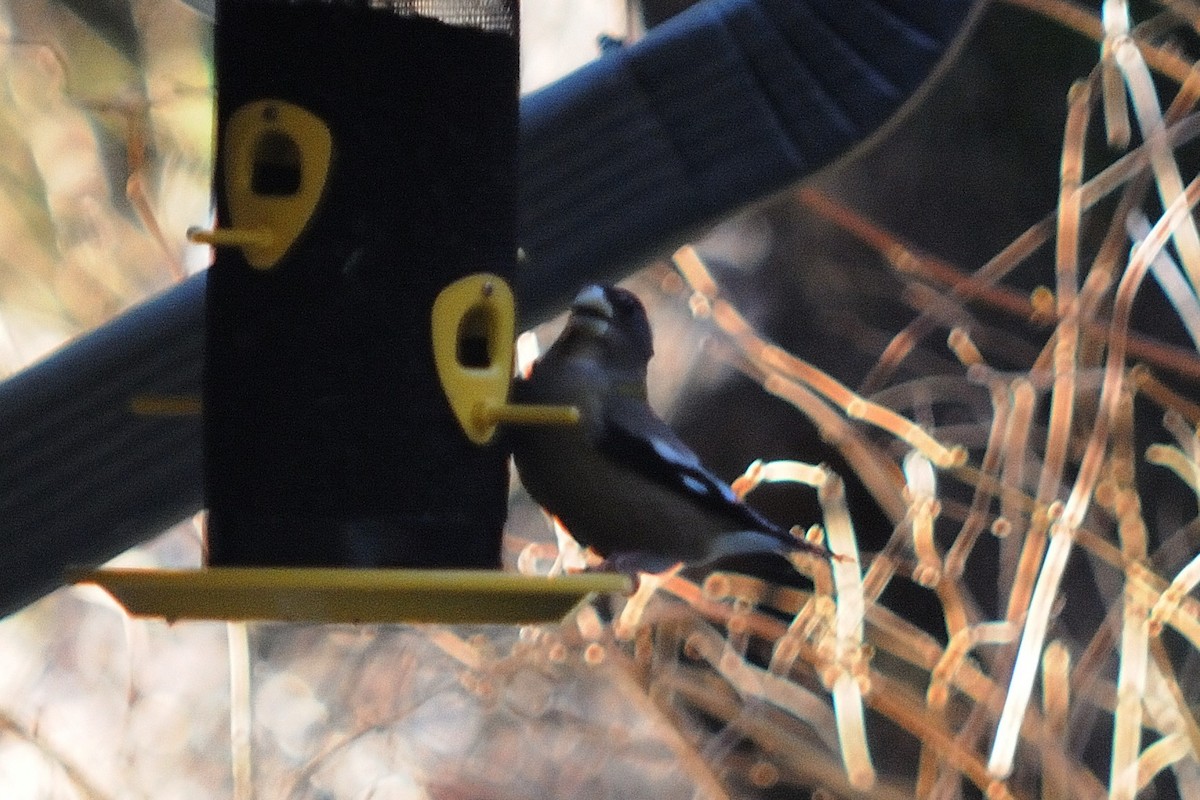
[(277, 161), (473, 324)]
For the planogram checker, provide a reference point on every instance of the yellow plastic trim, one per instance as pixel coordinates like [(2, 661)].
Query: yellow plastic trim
[(488, 414), (165, 405), (479, 310), (265, 223), (246, 238), (350, 595)]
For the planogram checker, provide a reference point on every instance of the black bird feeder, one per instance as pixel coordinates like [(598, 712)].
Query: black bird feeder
[(365, 169)]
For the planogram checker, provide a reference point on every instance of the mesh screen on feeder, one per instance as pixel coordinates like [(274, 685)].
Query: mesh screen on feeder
[(487, 15)]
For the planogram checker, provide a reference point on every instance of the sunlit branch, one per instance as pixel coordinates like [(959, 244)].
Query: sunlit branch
[(938, 694), (1131, 686), (921, 490), (1056, 706), (976, 520), (1010, 526), (1170, 279), (1166, 171), (1115, 20), (848, 683)]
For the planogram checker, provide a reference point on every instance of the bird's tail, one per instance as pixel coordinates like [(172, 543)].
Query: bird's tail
[(780, 542)]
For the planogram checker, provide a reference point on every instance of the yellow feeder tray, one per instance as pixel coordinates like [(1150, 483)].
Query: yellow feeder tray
[(311, 594)]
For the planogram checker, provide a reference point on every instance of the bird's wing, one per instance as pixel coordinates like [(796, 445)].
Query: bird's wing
[(633, 434)]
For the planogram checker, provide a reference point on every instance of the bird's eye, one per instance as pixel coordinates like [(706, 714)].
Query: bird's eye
[(622, 300)]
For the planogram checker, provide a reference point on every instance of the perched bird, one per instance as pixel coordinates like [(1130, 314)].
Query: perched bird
[(621, 481)]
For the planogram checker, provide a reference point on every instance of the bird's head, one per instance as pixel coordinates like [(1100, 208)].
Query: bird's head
[(613, 318)]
